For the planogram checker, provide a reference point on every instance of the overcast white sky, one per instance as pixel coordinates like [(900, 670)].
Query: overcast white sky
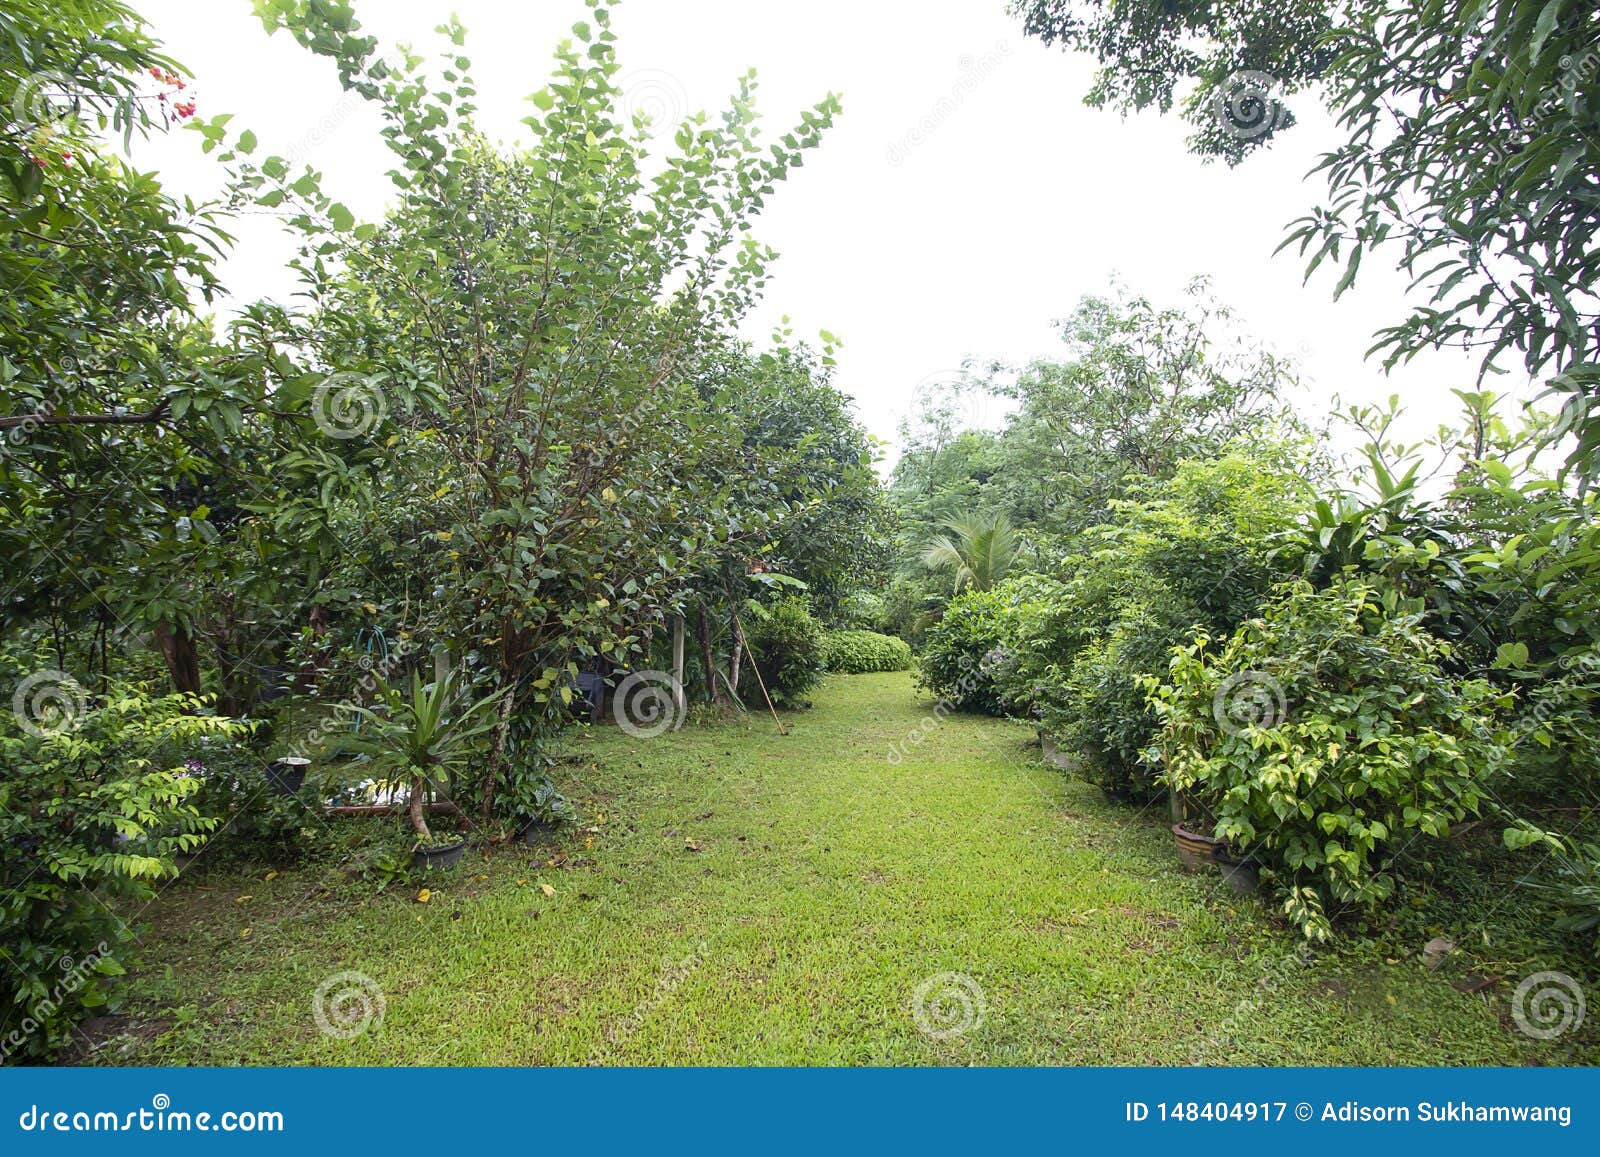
[(917, 252)]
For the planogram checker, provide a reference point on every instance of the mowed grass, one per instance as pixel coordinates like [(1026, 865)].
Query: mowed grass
[(756, 898)]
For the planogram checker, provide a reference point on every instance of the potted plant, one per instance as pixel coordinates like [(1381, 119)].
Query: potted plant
[(421, 736), (547, 811), (288, 775), (437, 851), (1237, 868), (1195, 848)]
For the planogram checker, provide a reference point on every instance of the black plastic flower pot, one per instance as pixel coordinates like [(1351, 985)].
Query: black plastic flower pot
[(1240, 872), (438, 859), (287, 776), (536, 831)]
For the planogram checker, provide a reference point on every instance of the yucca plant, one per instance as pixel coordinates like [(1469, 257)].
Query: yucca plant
[(420, 735)]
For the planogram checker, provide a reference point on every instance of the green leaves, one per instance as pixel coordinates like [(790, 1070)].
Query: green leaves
[(1384, 742)]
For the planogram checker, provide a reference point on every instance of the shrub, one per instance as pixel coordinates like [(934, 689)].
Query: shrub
[(965, 652), (1105, 716), (1190, 552), (1577, 889), (255, 821), (859, 611), (858, 652), (786, 646), (1322, 735), (89, 817)]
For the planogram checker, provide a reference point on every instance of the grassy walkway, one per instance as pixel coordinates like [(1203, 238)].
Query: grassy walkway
[(750, 898)]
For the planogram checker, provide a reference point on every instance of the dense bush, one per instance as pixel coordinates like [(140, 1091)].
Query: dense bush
[(965, 651), (1193, 552), (1322, 735), (96, 804), (858, 652), (256, 822), (786, 646)]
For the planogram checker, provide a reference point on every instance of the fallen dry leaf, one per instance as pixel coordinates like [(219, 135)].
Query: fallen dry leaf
[(547, 889), (424, 896), (240, 899)]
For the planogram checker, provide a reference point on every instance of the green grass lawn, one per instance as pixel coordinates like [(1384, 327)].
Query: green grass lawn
[(747, 897)]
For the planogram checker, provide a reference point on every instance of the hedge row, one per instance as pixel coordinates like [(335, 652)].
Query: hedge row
[(857, 652)]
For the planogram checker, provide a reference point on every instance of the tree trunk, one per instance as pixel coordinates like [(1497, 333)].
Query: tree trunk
[(183, 659), (417, 809), (714, 692), (733, 664), (497, 752), (679, 703)]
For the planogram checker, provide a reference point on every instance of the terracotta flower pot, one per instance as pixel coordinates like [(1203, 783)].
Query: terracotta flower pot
[(1194, 849)]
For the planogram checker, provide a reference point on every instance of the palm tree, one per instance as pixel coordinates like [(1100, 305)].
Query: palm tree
[(978, 551)]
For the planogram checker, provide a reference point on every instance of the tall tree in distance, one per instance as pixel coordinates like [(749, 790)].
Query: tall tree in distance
[(1468, 151)]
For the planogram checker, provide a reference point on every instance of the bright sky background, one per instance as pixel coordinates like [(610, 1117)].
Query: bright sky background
[(918, 248)]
